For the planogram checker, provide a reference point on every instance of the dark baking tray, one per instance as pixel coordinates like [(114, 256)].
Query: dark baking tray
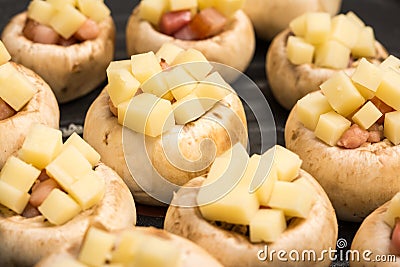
[(383, 15)]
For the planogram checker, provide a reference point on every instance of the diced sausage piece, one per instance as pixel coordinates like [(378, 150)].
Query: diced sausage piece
[(382, 107), (43, 176), (30, 211), (5, 110), (164, 65), (375, 133), (186, 33), (28, 29), (207, 23), (67, 42), (40, 33), (354, 137), (172, 22), (42, 191), (88, 31), (113, 108)]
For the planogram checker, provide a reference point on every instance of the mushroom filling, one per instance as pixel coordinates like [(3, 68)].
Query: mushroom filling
[(236, 228), (6, 111)]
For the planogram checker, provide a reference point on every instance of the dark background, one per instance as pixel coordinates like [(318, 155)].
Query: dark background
[(382, 15)]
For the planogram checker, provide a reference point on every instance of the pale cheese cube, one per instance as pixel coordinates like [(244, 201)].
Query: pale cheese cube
[(187, 109), (389, 89), (180, 82), (310, 107), (368, 75), (41, 11), (13, 198), (298, 25), (393, 211), (152, 10), (69, 166), (122, 108), (365, 92), (332, 54), (127, 247), (121, 86), (345, 30), (392, 127), (267, 225), (293, 198), (60, 4), (299, 51), (176, 5), (366, 116), (145, 65), (249, 175), (355, 19), (125, 64), (194, 62), (88, 190), (168, 52), (94, 9), (149, 115), (331, 127), (202, 4), (265, 177), (390, 63), (157, 85), (228, 7), (67, 21), (83, 147), (96, 247), (287, 164), (15, 88), (365, 45), (318, 27), (341, 93), (58, 207), (19, 174), (264, 192), (4, 55), (42, 144)]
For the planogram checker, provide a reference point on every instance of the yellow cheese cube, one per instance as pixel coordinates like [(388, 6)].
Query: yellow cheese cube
[(367, 75), (168, 52), (152, 10), (332, 54), (364, 91), (60, 4), (149, 115), (367, 115), (15, 88), (253, 166), (187, 109), (318, 27), (202, 4), (41, 11), (83, 147), (121, 86), (389, 89), (4, 55), (287, 164), (392, 127), (310, 107), (265, 191), (96, 247), (69, 166), (127, 247), (13, 198), (341, 93), (58, 207), (180, 82), (299, 51), (390, 63), (345, 31), (393, 211), (355, 19), (145, 65), (196, 63), (67, 21), (88, 190), (175, 5), (18, 174), (94, 9), (331, 127), (267, 225), (157, 85), (122, 108), (228, 7), (41, 145), (298, 25), (119, 64), (293, 198), (365, 45)]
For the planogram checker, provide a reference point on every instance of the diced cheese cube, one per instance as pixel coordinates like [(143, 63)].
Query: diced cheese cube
[(299, 51), (298, 25), (127, 247), (265, 191), (168, 52), (67, 20), (18, 174), (83, 147), (310, 107), (187, 109), (344, 30), (365, 45), (393, 211), (228, 7), (121, 86), (365, 92), (389, 89), (94, 9), (202, 4), (15, 88), (392, 127), (331, 127), (60, 4), (252, 167), (4, 55), (58, 207), (293, 198), (194, 62), (41, 11), (212, 89), (157, 85), (41, 145), (176, 5), (355, 19), (69, 166), (287, 164), (125, 64), (180, 82), (152, 10), (318, 27), (122, 108), (13, 198), (267, 225), (390, 63), (332, 54), (145, 65), (149, 115), (96, 247), (367, 75), (89, 190), (367, 115), (341, 93)]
